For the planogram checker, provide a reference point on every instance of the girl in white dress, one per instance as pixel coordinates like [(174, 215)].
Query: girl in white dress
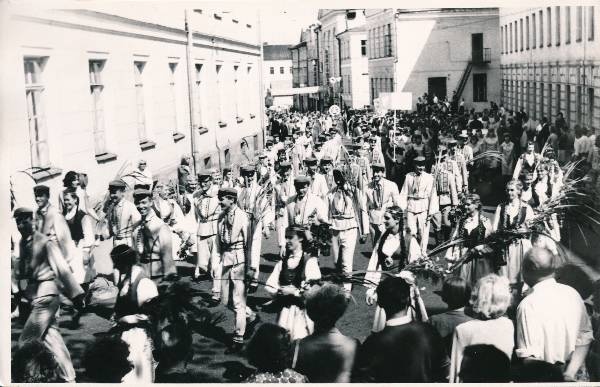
[(390, 246), (289, 279)]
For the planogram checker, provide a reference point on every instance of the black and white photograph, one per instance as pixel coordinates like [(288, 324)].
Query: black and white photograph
[(300, 192)]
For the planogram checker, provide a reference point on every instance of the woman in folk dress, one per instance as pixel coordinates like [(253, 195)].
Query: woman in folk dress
[(390, 246), (289, 278), (473, 228), (543, 191), (513, 215)]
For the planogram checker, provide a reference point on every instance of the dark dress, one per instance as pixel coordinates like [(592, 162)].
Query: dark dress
[(409, 353)]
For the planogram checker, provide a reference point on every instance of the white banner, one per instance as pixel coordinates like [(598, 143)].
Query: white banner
[(397, 100)]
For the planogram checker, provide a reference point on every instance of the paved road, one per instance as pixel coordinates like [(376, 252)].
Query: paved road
[(209, 362)]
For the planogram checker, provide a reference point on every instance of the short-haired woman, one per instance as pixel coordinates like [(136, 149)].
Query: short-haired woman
[(269, 351), (489, 301), (289, 279), (513, 215), (326, 356)]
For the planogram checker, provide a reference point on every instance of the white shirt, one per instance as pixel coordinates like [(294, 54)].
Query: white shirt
[(551, 322)]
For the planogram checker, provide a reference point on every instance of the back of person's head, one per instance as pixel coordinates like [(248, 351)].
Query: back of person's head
[(106, 361), (175, 343), (532, 371), (491, 297), (456, 292), (269, 348), (538, 264), (33, 362), (393, 295), (325, 304), (484, 363)]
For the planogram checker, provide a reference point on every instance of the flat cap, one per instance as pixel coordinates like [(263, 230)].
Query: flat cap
[(204, 175), (285, 165), (141, 193), (452, 142), (326, 160), (117, 184), (247, 170), (310, 161), (420, 160), (463, 136), (41, 190), (142, 186), (301, 180), (227, 191), (378, 166), (22, 212)]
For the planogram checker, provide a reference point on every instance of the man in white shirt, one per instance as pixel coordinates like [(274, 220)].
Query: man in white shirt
[(552, 321)]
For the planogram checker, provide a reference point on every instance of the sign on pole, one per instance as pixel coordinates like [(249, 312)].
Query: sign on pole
[(334, 110)]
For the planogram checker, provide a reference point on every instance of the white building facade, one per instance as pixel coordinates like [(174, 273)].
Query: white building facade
[(93, 90), (435, 51), (277, 74), (355, 67), (550, 62)]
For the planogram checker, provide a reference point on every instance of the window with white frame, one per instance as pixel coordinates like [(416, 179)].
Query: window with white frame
[(236, 91), (96, 90), (34, 92), (173, 87), (198, 93), (218, 95), (138, 70)]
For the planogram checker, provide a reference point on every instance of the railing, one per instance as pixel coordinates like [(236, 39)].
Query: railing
[(482, 57), (463, 81)]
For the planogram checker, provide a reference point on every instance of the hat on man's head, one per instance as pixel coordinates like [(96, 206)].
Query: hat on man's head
[(301, 180), (141, 193), (326, 160), (463, 136), (119, 184), (204, 175), (452, 142), (420, 160), (310, 161), (41, 189), (285, 165), (227, 192), (123, 253), (247, 170), (417, 133), (262, 155), (269, 141), (442, 149), (22, 212), (378, 166)]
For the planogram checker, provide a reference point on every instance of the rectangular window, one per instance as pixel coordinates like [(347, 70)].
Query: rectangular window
[(138, 70), (207, 162), (511, 38), (541, 109), (568, 104), (578, 24), (34, 93), (218, 99), (590, 23), (534, 99), (541, 13), (527, 32), (227, 156), (516, 38), (558, 98), (521, 33), (255, 141), (549, 100), (480, 87), (557, 17), (96, 87), (590, 105), (578, 104), (388, 40), (533, 31), (281, 70), (363, 47), (549, 26), (567, 25), (272, 70), (198, 94), (501, 40), (236, 90)]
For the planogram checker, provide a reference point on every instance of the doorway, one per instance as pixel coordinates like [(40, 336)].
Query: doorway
[(436, 86), (477, 48)]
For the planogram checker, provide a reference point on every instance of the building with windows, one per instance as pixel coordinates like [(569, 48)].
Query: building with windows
[(304, 63), (277, 73), (550, 59), (436, 51), (94, 89), (354, 67), (333, 22)]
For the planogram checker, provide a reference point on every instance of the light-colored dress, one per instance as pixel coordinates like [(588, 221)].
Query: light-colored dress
[(510, 216), (389, 245), (294, 270), (490, 144), (508, 158)]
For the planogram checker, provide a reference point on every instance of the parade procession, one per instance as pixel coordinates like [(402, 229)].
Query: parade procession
[(313, 235)]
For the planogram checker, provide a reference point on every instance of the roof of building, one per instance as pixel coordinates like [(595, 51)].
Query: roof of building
[(277, 52), (355, 29)]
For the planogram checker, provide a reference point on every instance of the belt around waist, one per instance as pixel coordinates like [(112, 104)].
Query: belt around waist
[(417, 198), (146, 260), (342, 217)]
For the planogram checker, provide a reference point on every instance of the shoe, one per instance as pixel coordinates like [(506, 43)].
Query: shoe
[(235, 347), (199, 275), (251, 327), (253, 288)]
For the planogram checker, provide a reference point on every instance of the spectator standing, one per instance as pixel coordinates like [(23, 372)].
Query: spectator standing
[(456, 292)]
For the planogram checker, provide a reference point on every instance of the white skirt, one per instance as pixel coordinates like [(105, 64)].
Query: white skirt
[(296, 321), (140, 356)]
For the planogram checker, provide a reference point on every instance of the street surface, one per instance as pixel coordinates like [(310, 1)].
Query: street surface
[(209, 362)]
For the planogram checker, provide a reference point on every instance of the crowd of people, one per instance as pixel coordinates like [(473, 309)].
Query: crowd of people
[(321, 184)]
